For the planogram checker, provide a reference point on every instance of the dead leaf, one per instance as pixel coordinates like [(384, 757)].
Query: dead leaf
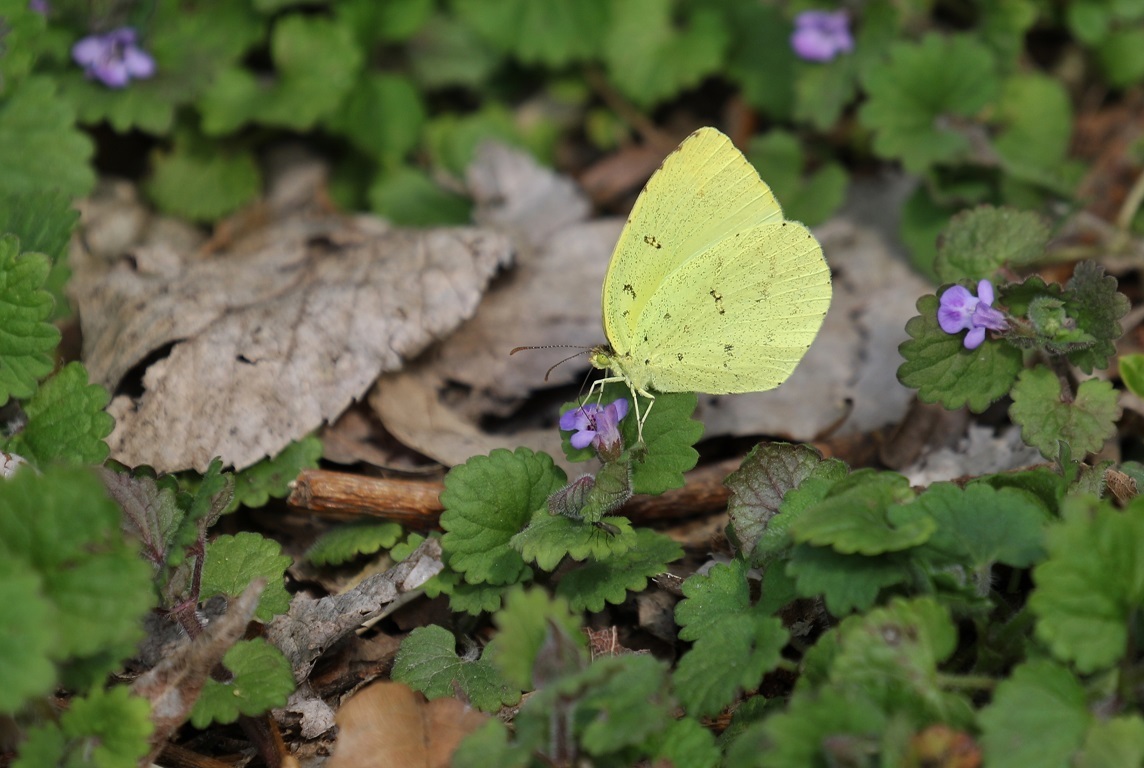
[(273, 336), (387, 724), (312, 626), (173, 685)]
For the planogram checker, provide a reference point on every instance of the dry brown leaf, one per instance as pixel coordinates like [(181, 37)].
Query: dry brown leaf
[(275, 335), (388, 725)]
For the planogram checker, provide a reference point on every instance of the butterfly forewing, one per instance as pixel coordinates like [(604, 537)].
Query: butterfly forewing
[(705, 191)]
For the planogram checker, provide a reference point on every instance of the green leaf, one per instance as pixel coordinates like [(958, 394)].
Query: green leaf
[(1091, 587), (550, 538), (488, 746), (1121, 56), (105, 729), (27, 636), (893, 653), (452, 140), (916, 95), (652, 50), (272, 477), (857, 517), (822, 728), (408, 197), (447, 52), (1045, 418), (66, 420), (1036, 113), (261, 679), (316, 61), (549, 32), (717, 616), (346, 542), (1037, 718), (687, 742), (845, 582), (427, 662), (978, 243), (980, 525), (1092, 300), (939, 366), (669, 433), (759, 488), (529, 622), (232, 562), (628, 705), (597, 581), (202, 181), (811, 199), (487, 501), (1114, 743), (43, 221), (61, 526), (392, 21), (759, 57), (382, 116), (1131, 369), (40, 147), (28, 341)]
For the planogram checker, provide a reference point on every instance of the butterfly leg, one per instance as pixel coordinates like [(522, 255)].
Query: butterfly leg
[(599, 384)]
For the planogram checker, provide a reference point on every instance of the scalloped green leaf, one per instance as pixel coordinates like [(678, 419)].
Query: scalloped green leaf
[(261, 679), (1092, 300), (718, 617), (28, 341), (28, 640), (526, 624), (845, 582), (1091, 586), (40, 147), (549, 32), (1037, 717), (202, 182), (272, 477), (652, 50), (488, 500), (609, 580), (66, 420), (232, 562), (428, 662), (1084, 422), (109, 727), (550, 538), (856, 518), (346, 542), (981, 241), (939, 366), (917, 93), (316, 63)]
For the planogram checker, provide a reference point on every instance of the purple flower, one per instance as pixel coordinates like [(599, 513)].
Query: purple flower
[(960, 311), (821, 35), (114, 59), (40, 6), (595, 425)]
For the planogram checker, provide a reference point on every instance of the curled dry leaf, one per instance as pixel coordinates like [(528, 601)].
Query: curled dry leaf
[(387, 724), (273, 336)]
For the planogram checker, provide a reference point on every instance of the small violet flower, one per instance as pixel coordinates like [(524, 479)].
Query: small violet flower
[(821, 35), (960, 310), (40, 6), (595, 425), (114, 59)]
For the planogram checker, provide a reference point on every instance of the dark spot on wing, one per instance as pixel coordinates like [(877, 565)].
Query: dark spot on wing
[(718, 301), (629, 290), (650, 240)]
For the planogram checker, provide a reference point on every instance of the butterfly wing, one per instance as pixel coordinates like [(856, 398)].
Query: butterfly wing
[(704, 192), (736, 317)]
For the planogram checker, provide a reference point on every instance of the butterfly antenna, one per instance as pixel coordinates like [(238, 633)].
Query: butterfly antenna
[(582, 351)]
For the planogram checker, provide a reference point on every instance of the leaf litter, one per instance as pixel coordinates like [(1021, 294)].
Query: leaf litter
[(272, 335)]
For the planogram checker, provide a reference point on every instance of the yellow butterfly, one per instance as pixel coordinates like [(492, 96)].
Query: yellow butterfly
[(709, 289)]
